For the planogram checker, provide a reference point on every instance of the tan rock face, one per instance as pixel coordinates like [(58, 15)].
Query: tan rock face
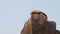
[(39, 24)]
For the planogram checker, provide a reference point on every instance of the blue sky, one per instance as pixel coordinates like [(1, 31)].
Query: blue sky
[(14, 13)]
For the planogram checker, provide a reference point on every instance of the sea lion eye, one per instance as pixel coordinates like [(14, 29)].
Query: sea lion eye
[(35, 12)]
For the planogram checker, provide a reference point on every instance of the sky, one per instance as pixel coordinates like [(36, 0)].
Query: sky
[(14, 13)]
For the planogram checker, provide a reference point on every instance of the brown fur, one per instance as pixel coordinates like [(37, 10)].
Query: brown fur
[(47, 27)]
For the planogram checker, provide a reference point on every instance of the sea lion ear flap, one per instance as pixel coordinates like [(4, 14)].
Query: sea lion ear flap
[(46, 16)]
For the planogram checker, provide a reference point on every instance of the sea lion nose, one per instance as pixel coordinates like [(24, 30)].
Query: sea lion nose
[(36, 16)]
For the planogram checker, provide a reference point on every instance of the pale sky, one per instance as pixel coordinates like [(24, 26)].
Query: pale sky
[(14, 13)]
